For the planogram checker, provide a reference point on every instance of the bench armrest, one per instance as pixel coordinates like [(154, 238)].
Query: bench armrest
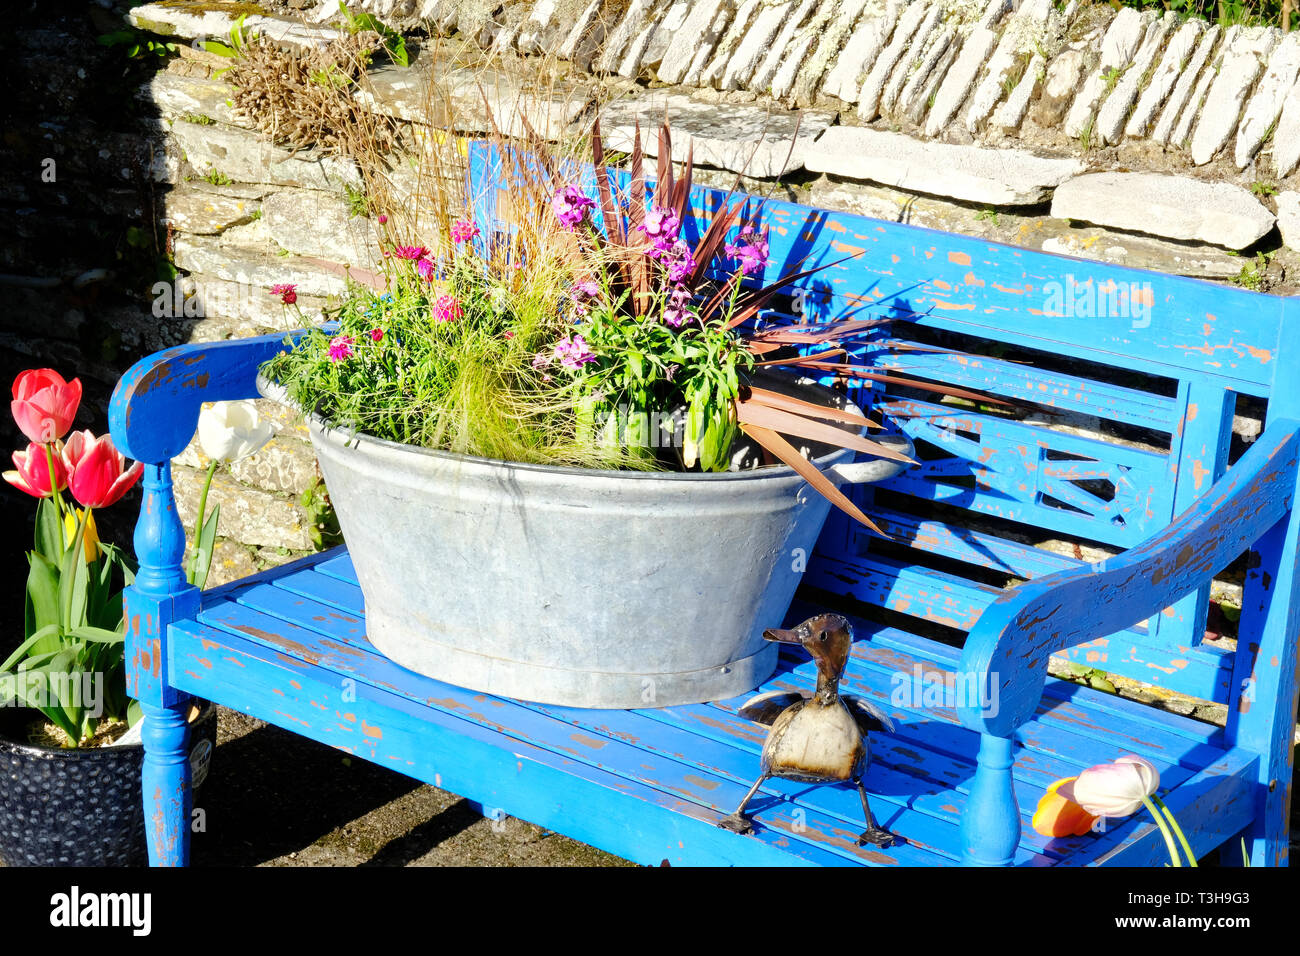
[(155, 407), (1007, 651)]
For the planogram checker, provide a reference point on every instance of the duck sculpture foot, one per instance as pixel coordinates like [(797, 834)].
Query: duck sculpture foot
[(876, 837), (736, 823)]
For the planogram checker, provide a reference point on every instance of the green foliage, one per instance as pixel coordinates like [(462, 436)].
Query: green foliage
[(987, 214), (217, 178), (358, 204), (200, 119), (137, 45), (1252, 274), (73, 631), (323, 522), (1263, 189), (394, 44)]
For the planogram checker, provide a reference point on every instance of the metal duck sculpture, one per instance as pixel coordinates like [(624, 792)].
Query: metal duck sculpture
[(821, 739)]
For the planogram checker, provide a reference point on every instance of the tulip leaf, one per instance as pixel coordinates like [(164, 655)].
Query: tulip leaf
[(73, 581), (21, 652), (203, 549), (97, 634), (42, 593), (49, 529)]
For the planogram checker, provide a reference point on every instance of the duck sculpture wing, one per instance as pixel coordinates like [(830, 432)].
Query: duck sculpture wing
[(867, 715), (765, 708)]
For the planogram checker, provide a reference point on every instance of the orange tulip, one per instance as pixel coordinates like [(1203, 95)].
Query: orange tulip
[(1058, 816)]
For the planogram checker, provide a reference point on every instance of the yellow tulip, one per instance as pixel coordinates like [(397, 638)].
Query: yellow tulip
[(1058, 816), (90, 543)]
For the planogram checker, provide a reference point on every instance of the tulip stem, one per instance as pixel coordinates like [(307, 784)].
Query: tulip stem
[(199, 520), (1178, 831), (56, 494), (1164, 832)]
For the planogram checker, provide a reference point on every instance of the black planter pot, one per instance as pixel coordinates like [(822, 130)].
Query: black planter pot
[(80, 807)]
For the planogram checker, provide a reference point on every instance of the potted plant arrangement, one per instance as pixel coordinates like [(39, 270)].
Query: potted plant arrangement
[(69, 768), (557, 452)]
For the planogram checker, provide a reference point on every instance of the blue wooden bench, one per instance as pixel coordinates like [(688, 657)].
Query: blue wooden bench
[(957, 597)]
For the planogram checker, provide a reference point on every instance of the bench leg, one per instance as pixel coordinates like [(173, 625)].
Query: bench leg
[(990, 827), (166, 783)]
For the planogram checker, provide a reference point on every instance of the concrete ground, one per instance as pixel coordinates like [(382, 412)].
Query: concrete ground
[(277, 799)]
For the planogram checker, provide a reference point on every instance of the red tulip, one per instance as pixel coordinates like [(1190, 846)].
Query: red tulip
[(98, 475), (44, 404), (33, 474)]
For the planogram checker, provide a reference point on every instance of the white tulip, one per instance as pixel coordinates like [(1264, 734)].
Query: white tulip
[(229, 431)]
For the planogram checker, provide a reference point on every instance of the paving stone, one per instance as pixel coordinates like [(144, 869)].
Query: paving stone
[(712, 74), (1242, 63), (1064, 74), (1266, 102), (316, 224), (1030, 18), (920, 76), (907, 63), (587, 34), (630, 65), (1288, 218), (634, 22), (781, 48), (1011, 113), (460, 101), (860, 51), (910, 22), (247, 156), (829, 44), (960, 79), (214, 23), (703, 28), (1180, 130), (1114, 111), (534, 25), (754, 45), (256, 268), (1165, 77), (1175, 207), (177, 96), (1286, 139), (800, 46), (205, 214), (666, 34), (723, 135), (926, 93), (1117, 49), (996, 177)]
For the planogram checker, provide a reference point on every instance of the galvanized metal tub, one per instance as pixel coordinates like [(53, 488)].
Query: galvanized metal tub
[(567, 586)]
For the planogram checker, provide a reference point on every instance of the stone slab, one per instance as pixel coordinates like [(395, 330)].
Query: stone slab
[(317, 224), (1174, 207), (215, 24), (255, 268), (859, 52), (1115, 110), (205, 214), (957, 84), (176, 96), (1242, 63), (248, 515), (723, 135), (704, 27), (1166, 75), (1117, 49), (1288, 218), (1286, 138), (1266, 101), (995, 177), (248, 156)]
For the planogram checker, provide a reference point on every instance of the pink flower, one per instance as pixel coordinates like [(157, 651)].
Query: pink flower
[(382, 219), (288, 293), (33, 474), (508, 336), (661, 222), (410, 252), (44, 405), (446, 308), (571, 205), (341, 347), (541, 360), (573, 353), (751, 249), (376, 335), (462, 231), (97, 472), (426, 269)]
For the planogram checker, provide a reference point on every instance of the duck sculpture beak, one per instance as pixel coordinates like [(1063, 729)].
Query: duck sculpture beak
[(783, 636)]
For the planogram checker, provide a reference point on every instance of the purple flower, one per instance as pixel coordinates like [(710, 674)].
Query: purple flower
[(677, 311), (426, 269), (661, 223), (573, 353), (541, 360), (341, 347), (571, 205), (679, 262), (751, 249), (584, 293)]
